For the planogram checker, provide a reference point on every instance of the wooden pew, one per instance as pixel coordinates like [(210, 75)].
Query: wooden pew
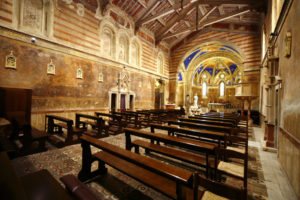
[(215, 190), (231, 167), (223, 129), (115, 122), (191, 133), (101, 130), (170, 180), (54, 127), (37, 185), (205, 148), (206, 121), (144, 118), (214, 118), (130, 118)]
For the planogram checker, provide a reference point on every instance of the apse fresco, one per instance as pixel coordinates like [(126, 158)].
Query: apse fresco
[(216, 70), (207, 47)]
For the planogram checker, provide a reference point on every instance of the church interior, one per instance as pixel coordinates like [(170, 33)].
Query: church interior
[(148, 99)]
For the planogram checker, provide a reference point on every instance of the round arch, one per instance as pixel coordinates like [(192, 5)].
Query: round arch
[(197, 55)]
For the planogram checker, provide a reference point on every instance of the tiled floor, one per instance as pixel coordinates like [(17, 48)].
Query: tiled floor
[(278, 185)]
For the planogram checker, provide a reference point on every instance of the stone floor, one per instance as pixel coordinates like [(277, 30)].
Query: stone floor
[(276, 180)]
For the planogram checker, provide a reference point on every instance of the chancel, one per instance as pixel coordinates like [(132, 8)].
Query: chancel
[(148, 99)]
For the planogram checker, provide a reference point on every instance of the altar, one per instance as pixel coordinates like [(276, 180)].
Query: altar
[(218, 106)]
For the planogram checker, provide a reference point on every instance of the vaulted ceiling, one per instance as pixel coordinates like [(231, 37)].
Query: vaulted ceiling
[(172, 20)]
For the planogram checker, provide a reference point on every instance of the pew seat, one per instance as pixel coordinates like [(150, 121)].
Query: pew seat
[(173, 152), (37, 185), (170, 180)]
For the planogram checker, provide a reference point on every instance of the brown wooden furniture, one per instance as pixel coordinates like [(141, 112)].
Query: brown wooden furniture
[(54, 125), (77, 188), (115, 122), (205, 148), (227, 165), (37, 185), (15, 105), (97, 123), (213, 190), (170, 180), (191, 133), (234, 121), (223, 129), (130, 119), (208, 121)]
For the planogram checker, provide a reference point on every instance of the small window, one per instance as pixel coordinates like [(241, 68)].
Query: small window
[(204, 89), (222, 89)]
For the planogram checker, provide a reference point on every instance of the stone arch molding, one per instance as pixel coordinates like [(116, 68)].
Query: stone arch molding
[(187, 73), (135, 55), (108, 31), (120, 34)]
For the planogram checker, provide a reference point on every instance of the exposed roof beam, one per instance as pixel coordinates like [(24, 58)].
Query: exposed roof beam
[(143, 3), (202, 9), (179, 17), (152, 4), (221, 10), (171, 2), (209, 22), (157, 16), (162, 21), (204, 17)]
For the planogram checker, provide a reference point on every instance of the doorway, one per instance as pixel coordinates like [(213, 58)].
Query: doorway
[(123, 102), (113, 102)]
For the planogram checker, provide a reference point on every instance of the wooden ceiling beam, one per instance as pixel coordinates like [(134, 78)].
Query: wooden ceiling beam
[(209, 22), (221, 10), (157, 16), (179, 17), (143, 3), (152, 4)]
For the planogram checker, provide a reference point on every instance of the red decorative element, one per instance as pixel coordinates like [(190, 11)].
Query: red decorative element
[(113, 15), (269, 128)]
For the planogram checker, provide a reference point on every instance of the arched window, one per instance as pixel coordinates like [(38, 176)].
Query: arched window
[(222, 89), (123, 49), (107, 42), (135, 53), (160, 64), (204, 89)]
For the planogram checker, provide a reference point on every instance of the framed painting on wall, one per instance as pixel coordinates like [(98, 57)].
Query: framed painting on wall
[(79, 73), (11, 61), (100, 77), (51, 68)]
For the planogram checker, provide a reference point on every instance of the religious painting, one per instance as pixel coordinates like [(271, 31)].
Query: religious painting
[(51, 68), (79, 73), (100, 77), (11, 61)]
